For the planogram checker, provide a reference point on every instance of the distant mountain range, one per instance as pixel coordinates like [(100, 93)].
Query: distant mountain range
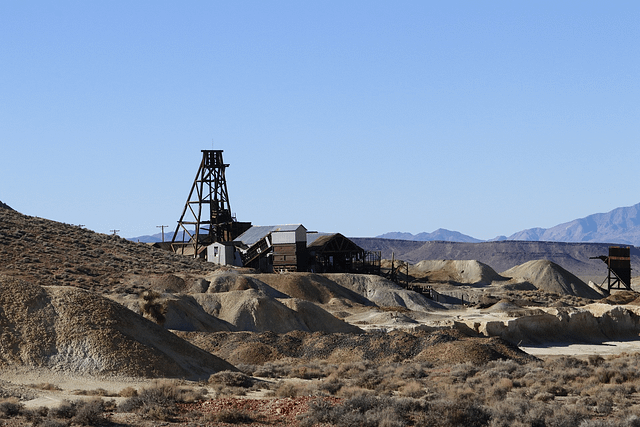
[(440, 234), (620, 226), (152, 238)]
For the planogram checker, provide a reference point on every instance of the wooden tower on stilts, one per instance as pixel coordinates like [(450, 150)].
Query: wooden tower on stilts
[(207, 217)]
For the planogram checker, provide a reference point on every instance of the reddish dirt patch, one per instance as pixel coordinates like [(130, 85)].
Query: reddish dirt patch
[(281, 412)]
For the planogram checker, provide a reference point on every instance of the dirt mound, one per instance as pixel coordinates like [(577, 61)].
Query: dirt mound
[(77, 331), (226, 281), (317, 319), (183, 313), (310, 287), (383, 292), (440, 348), (469, 350), (550, 277), (469, 272), (252, 310), (168, 283)]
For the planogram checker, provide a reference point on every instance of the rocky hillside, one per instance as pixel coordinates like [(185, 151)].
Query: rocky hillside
[(46, 252)]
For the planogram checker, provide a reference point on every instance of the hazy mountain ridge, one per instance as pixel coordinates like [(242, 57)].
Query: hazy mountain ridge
[(619, 226), (440, 234)]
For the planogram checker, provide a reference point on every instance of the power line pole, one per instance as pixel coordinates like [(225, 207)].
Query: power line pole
[(163, 227), (115, 232)]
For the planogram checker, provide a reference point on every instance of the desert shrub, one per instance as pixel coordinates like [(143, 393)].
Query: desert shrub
[(290, 389), (95, 392), (247, 369), (513, 412), (350, 391), (368, 379), (307, 372), (275, 369), (564, 363), (89, 413), (409, 371), (152, 307), (231, 416), (50, 422), (46, 386), (501, 388), (64, 410), (501, 368), (351, 370), (364, 410), (457, 413), (331, 386), (159, 401), (462, 371), (10, 408), (412, 389), (128, 392), (595, 360), (357, 411), (231, 379)]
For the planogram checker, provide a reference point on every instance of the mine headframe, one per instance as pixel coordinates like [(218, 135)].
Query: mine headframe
[(618, 267), (206, 217)]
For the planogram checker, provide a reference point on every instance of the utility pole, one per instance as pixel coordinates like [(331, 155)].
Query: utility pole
[(163, 227), (115, 232)]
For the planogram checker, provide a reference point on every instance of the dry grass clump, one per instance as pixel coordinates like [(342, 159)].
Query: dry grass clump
[(159, 401), (10, 408), (45, 386), (96, 392), (128, 392), (230, 416), (229, 383)]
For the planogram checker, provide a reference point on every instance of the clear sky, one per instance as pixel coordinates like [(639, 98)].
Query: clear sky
[(360, 117)]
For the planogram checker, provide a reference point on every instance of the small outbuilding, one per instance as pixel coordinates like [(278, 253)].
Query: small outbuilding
[(223, 253)]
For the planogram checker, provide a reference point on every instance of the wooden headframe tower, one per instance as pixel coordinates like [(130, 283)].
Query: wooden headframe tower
[(206, 217)]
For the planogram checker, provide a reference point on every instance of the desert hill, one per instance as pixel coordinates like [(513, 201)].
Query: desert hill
[(48, 253), (77, 331)]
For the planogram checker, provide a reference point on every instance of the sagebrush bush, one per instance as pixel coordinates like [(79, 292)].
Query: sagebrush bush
[(89, 413), (159, 401), (231, 379), (10, 408)]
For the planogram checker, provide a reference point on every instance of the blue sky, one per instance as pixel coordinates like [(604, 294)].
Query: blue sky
[(360, 117)]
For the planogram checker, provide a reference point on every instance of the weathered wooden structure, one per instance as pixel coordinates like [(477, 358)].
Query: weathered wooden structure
[(207, 216), (334, 253), (618, 267)]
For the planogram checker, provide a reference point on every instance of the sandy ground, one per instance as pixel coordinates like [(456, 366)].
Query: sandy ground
[(31, 380), (607, 348)]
